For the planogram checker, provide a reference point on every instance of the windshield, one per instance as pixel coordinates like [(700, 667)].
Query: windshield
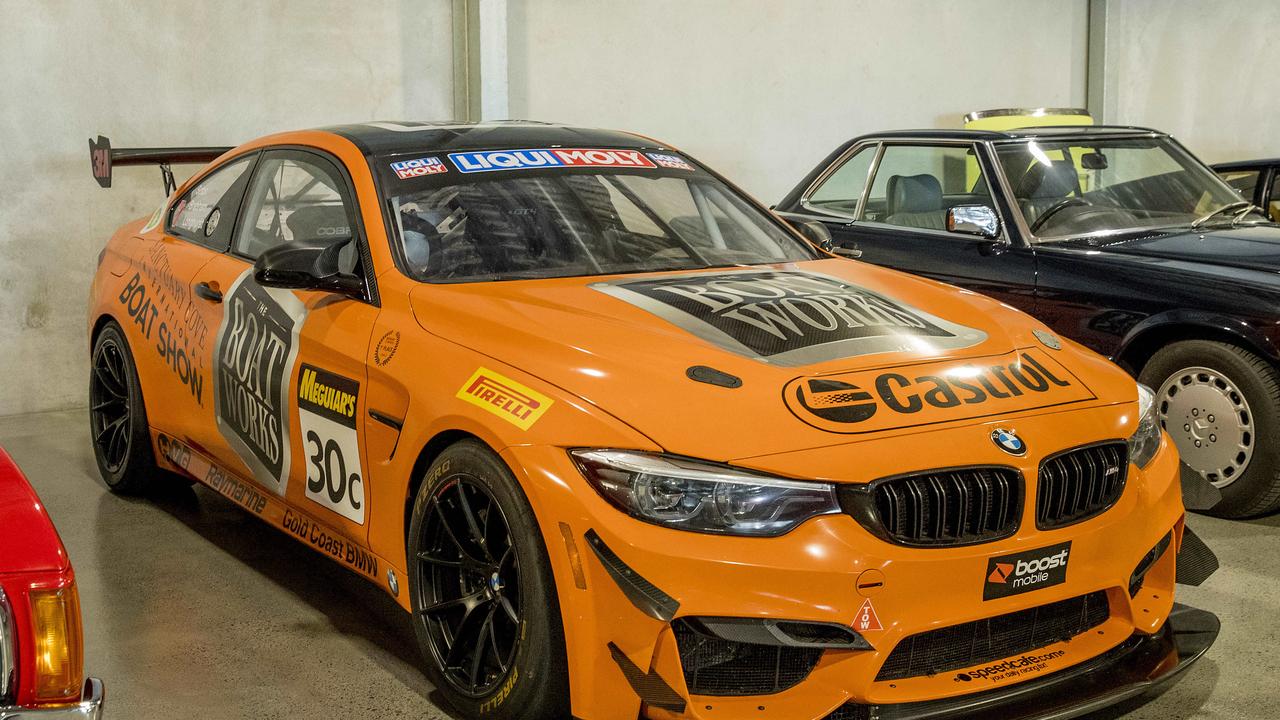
[(505, 215), (1109, 185)]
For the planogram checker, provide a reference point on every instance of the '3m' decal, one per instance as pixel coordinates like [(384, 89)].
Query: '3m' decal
[(327, 422)]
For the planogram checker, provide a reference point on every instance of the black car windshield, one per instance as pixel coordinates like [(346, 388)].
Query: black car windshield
[(506, 215), (1100, 185)]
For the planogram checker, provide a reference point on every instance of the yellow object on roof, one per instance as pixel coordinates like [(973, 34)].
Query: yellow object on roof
[(1011, 118)]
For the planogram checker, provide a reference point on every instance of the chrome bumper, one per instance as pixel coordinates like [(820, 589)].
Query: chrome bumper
[(89, 707)]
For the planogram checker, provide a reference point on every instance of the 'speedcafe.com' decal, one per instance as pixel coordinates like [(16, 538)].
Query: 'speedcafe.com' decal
[(788, 317), (327, 423), (256, 347)]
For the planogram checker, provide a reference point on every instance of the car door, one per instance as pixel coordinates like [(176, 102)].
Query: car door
[(288, 366), (169, 335), (886, 203)]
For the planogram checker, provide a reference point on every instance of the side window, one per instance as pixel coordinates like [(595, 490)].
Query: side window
[(294, 196), (842, 189), (915, 185), (1243, 181), (1273, 200), (207, 212)]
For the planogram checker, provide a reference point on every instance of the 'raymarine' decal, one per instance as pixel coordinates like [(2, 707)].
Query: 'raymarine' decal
[(493, 160), (913, 395), (252, 360), (788, 317)]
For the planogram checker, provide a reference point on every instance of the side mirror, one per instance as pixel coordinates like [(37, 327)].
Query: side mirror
[(311, 264), (816, 233), (977, 220)]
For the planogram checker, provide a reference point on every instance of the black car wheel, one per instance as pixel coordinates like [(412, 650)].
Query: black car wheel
[(1220, 403), (117, 417), (483, 598)]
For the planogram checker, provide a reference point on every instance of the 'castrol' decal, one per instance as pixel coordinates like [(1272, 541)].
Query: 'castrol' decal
[(252, 362), (788, 317), (914, 395)]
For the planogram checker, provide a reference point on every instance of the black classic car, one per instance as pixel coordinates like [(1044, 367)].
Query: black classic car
[(1255, 180), (1115, 237)]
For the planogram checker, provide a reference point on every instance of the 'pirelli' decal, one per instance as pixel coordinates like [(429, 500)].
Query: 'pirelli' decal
[(517, 404)]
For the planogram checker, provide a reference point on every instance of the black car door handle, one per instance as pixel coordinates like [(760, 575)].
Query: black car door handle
[(205, 291)]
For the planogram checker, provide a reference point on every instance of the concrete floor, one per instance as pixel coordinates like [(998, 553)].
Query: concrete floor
[(194, 609)]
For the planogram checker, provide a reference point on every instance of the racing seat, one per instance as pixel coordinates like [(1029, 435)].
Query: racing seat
[(1044, 186), (915, 201)]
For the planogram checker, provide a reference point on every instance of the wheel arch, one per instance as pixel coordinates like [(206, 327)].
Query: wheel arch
[(427, 455), (99, 323), (1146, 338)]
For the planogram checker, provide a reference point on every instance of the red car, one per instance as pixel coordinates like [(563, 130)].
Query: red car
[(41, 648)]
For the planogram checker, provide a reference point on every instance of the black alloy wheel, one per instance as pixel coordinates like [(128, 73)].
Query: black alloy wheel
[(118, 425), (470, 602)]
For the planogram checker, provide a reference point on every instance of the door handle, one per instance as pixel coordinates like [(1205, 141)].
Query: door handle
[(850, 252), (206, 291)]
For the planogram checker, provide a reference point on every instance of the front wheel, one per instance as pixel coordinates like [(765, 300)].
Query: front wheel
[(484, 602), (1221, 405)]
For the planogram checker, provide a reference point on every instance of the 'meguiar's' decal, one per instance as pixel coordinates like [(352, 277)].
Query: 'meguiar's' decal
[(790, 318), (913, 395), (253, 358)]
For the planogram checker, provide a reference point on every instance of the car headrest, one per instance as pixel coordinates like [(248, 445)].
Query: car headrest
[(1056, 180), (914, 193), (318, 221)]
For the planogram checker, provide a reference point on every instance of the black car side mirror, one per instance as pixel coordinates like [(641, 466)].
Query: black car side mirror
[(816, 233), (311, 264)]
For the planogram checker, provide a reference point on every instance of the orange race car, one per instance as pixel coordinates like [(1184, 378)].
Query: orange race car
[(627, 445)]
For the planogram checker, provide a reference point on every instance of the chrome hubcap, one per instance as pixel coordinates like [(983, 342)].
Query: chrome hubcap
[(1209, 420)]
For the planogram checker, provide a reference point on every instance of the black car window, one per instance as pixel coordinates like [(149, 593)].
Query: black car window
[(841, 190), (915, 185), (294, 196), (206, 213), (1273, 200)]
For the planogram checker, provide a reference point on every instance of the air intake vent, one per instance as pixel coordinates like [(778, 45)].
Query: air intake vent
[(956, 506), (985, 641), (1078, 484), (714, 666)]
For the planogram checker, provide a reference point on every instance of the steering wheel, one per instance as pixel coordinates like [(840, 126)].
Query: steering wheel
[(1053, 209)]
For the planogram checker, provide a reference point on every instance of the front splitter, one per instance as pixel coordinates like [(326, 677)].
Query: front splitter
[(1140, 665)]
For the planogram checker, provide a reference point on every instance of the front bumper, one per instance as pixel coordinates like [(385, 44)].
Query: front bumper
[(89, 707), (1142, 664)]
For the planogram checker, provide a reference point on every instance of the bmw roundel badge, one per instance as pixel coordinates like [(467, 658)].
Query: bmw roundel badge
[(1008, 441)]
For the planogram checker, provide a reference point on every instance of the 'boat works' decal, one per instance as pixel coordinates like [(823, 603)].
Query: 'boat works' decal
[(252, 359), (790, 318), (327, 423), (517, 404), (914, 395)]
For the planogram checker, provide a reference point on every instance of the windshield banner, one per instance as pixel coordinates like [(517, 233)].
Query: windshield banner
[(494, 160)]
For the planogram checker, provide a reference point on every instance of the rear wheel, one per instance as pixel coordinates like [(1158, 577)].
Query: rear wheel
[(484, 605), (117, 417), (1220, 403)]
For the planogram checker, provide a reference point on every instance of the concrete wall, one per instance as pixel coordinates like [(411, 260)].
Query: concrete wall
[(155, 72), (762, 90), (1202, 70)]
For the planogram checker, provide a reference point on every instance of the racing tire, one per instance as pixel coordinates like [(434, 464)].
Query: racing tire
[(1221, 405), (483, 598), (118, 427)]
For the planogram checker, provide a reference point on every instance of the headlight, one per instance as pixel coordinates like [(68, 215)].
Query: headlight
[(1145, 441), (703, 497)]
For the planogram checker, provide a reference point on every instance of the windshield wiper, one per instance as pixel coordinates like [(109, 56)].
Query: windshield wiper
[(1237, 205)]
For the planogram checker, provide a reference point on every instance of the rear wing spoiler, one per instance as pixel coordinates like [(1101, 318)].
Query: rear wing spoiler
[(102, 158)]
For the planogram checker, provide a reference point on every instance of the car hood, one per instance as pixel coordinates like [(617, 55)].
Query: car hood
[(1249, 248), (726, 364)]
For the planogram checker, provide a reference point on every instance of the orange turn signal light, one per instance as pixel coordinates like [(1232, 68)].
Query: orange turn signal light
[(59, 647)]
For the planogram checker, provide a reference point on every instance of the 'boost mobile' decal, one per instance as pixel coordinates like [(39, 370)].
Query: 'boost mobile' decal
[(255, 351), (327, 422), (1026, 571), (888, 398), (789, 318)]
